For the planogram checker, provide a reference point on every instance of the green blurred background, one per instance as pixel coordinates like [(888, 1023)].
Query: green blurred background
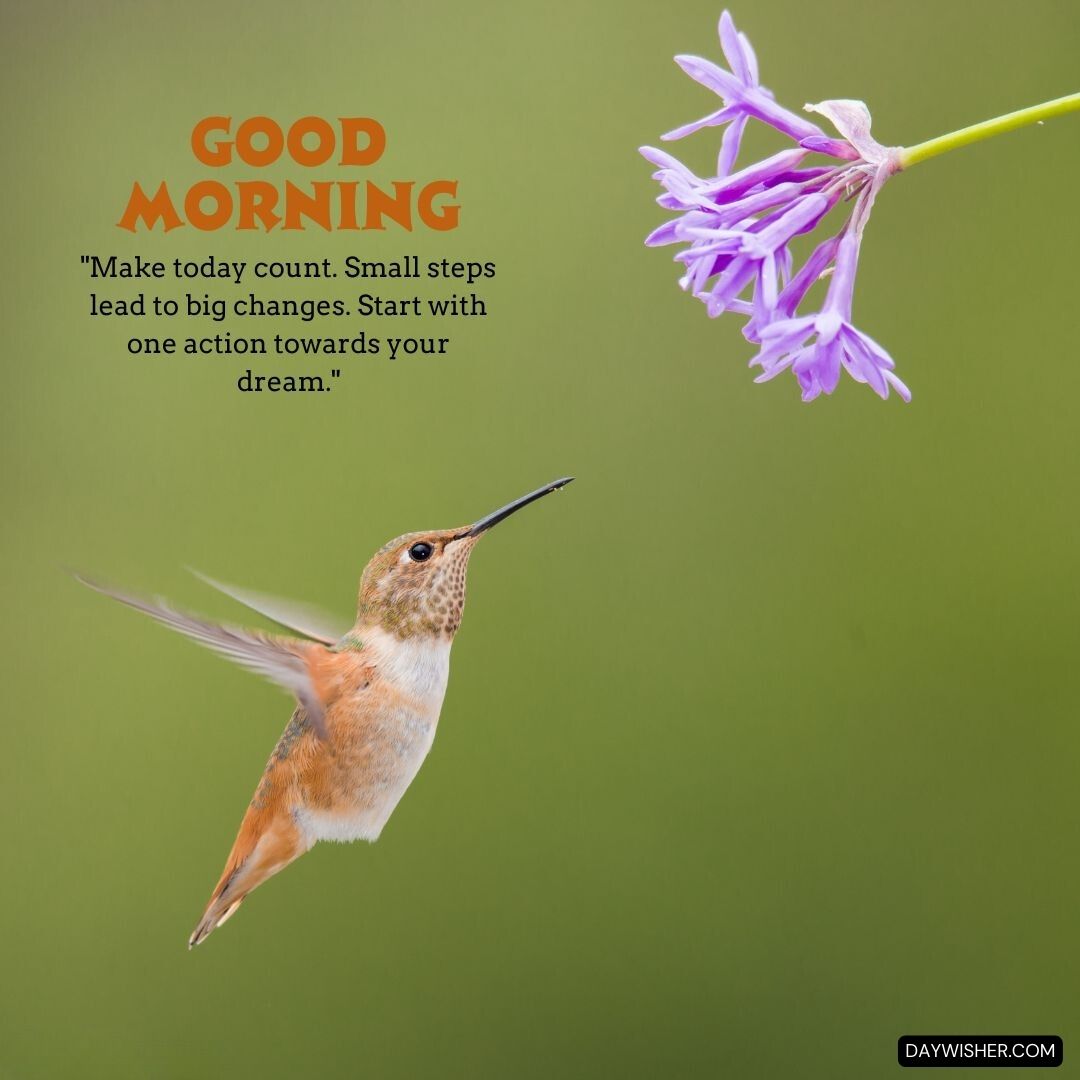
[(760, 747)]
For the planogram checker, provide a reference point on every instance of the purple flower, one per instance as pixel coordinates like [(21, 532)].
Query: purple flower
[(737, 227)]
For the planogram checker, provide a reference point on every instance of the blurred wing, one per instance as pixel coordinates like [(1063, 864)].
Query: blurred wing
[(278, 659), (301, 618)]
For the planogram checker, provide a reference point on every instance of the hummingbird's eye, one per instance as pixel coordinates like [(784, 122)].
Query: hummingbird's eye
[(420, 552)]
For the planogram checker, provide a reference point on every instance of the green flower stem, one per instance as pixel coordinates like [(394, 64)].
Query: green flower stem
[(912, 155)]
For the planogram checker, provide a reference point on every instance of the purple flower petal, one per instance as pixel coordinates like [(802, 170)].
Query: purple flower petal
[(876, 353), (762, 201), (663, 160), (740, 307), (763, 173), (796, 289), (729, 145), (842, 286), (836, 148), (898, 386), (733, 50), (829, 366), (711, 76), (781, 338), (791, 124), (739, 273), (765, 288), (664, 234), (749, 57), (784, 261), (714, 119), (817, 176), (859, 364), (802, 216)]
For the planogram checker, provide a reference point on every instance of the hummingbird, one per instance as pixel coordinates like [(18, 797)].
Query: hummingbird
[(368, 698)]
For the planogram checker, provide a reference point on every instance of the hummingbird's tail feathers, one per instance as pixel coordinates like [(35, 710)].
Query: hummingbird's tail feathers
[(302, 618), (214, 917), (248, 866), (281, 660)]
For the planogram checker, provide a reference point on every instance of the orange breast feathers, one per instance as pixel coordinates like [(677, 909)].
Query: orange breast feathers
[(337, 678)]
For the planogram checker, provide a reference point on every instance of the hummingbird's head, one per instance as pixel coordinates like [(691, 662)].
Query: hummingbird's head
[(415, 585)]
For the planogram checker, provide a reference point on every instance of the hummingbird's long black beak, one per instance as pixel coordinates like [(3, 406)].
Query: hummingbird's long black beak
[(512, 508)]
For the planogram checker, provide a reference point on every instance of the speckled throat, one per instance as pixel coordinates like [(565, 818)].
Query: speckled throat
[(416, 599)]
